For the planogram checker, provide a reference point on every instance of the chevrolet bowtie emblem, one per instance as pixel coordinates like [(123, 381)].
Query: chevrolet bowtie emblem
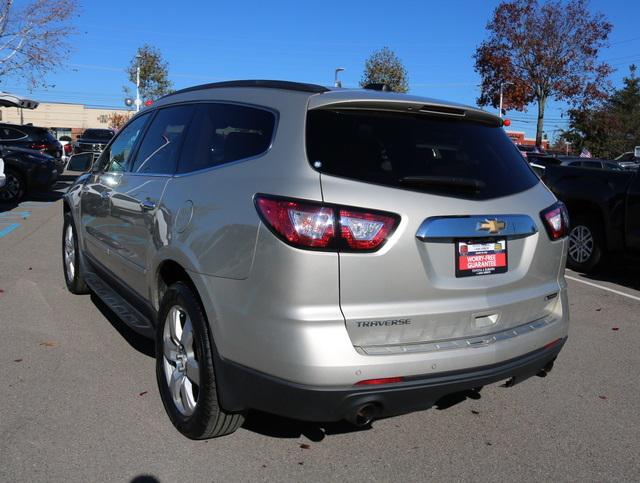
[(492, 226)]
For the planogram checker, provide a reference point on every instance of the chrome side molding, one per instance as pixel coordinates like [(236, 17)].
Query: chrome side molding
[(448, 228)]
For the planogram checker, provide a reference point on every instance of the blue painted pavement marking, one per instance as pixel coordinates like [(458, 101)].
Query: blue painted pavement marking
[(8, 229)]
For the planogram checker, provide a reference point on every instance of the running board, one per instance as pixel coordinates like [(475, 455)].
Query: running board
[(123, 309)]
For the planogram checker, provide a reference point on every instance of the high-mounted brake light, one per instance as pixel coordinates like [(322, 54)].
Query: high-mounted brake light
[(556, 220), (312, 225)]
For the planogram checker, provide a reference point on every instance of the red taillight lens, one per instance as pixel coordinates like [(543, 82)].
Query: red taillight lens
[(556, 220), (299, 224), (384, 380), (306, 224), (365, 231), (67, 148), (38, 146)]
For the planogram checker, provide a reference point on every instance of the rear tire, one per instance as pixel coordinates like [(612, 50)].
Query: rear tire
[(586, 244), (184, 368), (14, 188), (73, 275)]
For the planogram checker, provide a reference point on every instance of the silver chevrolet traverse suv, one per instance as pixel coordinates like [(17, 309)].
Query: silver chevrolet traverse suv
[(320, 254)]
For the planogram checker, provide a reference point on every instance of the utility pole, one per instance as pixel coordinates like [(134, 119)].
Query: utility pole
[(501, 86), (336, 82), (138, 102), (567, 144)]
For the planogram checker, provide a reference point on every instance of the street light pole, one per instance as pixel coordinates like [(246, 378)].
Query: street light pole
[(501, 86), (336, 82), (138, 102)]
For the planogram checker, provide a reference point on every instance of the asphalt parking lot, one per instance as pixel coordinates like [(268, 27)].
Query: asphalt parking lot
[(79, 399)]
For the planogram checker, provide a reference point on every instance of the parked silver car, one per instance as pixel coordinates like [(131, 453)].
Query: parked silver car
[(320, 254)]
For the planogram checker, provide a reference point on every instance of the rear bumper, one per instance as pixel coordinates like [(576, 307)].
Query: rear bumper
[(242, 388), (43, 178)]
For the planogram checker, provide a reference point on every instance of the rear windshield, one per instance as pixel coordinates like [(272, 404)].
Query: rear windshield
[(98, 134), (429, 154)]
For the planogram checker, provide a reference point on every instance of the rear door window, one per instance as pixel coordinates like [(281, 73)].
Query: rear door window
[(222, 133), (10, 134), (431, 154), (160, 148)]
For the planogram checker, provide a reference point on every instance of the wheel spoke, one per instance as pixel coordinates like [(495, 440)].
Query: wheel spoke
[(175, 325), (175, 383), (188, 400)]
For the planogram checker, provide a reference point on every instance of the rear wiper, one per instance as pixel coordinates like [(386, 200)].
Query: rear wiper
[(470, 184)]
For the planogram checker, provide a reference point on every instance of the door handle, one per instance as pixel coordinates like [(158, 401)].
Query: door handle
[(147, 205)]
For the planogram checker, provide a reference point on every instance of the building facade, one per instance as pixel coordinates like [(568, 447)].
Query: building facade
[(64, 119)]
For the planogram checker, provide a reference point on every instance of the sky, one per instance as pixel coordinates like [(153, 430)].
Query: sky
[(208, 41)]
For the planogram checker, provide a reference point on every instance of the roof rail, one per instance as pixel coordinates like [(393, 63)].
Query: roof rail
[(268, 84)]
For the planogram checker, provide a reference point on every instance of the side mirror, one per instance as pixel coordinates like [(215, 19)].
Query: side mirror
[(80, 162)]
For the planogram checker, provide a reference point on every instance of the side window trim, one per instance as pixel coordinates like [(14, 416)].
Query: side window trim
[(276, 123)]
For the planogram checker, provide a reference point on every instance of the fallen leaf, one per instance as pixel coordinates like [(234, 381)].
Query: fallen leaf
[(305, 446), (615, 328), (17, 360), (142, 393), (1, 290), (488, 444), (473, 411), (598, 310), (30, 268), (603, 397), (48, 344), (300, 463)]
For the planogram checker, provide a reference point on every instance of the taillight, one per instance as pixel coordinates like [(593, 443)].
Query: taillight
[(312, 225), (299, 224), (556, 220), (38, 146), (67, 148)]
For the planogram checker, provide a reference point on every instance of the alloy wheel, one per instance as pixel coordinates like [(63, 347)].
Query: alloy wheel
[(580, 244), (180, 361), (69, 253), (11, 189)]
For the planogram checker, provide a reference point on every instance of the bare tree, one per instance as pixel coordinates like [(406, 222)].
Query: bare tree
[(34, 37)]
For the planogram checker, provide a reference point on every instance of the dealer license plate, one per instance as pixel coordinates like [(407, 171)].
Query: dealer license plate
[(481, 258)]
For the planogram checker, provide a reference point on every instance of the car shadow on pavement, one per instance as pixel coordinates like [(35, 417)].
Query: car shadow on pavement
[(620, 270), (280, 427), (140, 343)]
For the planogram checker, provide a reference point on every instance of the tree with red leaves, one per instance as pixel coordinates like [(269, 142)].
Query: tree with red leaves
[(538, 52), (33, 37)]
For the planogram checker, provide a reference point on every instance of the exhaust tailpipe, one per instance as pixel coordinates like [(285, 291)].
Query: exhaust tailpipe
[(363, 415)]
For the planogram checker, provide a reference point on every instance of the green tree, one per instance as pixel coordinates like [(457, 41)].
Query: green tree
[(613, 126), (154, 73), (543, 50), (384, 67)]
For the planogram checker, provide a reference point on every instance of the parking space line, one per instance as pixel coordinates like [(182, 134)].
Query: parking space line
[(8, 229), (618, 292), (15, 214)]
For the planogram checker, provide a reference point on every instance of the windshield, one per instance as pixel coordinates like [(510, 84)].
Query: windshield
[(429, 154), (103, 134)]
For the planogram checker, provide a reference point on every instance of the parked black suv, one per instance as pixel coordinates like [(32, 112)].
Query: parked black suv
[(37, 138), (604, 209), (93, 141), (26, 171)]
